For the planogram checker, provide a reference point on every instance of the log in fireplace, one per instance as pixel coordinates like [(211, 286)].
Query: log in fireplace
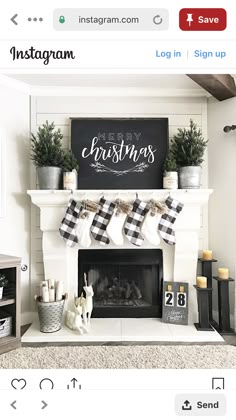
[(126, 283)]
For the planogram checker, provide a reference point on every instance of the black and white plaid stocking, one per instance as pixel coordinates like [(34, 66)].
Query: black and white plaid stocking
[(168, 219), (69, 223), (101, 220), (132, 227)]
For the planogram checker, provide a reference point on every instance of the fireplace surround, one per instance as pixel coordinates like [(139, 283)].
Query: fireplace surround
[(179, 261), (127, 283)]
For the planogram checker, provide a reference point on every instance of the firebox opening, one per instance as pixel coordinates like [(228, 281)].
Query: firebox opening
[(126, 283)]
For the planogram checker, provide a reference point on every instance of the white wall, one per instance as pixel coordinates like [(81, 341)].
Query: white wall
[(222, 178), (15, 225), (59, 109)]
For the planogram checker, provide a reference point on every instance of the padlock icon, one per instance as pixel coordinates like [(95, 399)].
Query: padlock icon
[(62, 19)]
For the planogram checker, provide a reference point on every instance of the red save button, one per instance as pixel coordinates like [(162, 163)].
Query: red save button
[(202, 19)]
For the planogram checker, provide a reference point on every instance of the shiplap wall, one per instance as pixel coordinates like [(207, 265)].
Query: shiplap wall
[(179, 110)]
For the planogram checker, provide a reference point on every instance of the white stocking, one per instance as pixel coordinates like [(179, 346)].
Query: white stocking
[(150, 228), (83, 228), (115, 227)]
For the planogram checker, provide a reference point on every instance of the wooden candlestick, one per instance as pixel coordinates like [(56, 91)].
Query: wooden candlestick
[(203, 309), (223, 306), (207, 272)]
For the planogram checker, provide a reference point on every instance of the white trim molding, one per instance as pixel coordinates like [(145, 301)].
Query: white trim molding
[(122, 92), (57, 198), (2, 174), (101, 91), (12, 83)]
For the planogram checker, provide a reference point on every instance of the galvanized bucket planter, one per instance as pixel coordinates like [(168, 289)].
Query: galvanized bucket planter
[(49, 177), (190, 177), (50, 315)]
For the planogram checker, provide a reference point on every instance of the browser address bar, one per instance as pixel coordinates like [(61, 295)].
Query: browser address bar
[(111, 19)]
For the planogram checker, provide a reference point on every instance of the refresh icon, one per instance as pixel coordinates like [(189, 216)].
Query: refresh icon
[(157, 20)]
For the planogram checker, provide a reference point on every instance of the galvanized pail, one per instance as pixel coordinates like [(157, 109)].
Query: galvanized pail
[(50, 315), (49, 177)]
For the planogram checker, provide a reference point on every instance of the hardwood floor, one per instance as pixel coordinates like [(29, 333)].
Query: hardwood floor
[(230, 339)]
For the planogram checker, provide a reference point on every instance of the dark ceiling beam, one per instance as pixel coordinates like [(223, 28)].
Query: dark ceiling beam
[(221, 86)]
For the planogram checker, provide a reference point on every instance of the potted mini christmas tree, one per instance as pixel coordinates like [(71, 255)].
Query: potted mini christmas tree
[(70, 171), (188, 147), (47, 155), (170, 178)]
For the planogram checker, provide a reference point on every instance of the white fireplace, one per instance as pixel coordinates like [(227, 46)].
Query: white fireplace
[(179, 261)]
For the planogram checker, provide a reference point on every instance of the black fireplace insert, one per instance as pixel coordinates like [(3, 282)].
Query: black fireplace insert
[(126, 283)]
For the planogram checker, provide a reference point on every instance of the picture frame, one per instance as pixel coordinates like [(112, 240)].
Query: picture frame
[(120, 153), (2, 174)]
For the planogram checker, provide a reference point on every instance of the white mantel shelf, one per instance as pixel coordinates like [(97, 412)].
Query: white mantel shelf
[(53, 198)]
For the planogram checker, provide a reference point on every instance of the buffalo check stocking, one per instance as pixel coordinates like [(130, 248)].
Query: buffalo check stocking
[(132, 227), (101, 220), (69, 223), (168, 219)]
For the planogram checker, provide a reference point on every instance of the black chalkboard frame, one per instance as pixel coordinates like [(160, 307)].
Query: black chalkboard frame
[(132, 181)]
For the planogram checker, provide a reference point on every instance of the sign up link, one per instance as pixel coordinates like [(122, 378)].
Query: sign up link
[(170, 54)]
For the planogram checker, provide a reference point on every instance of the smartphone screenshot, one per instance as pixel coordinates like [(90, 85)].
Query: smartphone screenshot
[(117, 209)]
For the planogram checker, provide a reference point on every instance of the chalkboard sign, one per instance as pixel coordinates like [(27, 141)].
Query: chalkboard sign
[(175, 303), (120, 153)]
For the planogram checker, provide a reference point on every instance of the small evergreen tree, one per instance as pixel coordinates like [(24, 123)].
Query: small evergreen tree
[(170, 162), (70, 162), (188, 146), (46, 146)]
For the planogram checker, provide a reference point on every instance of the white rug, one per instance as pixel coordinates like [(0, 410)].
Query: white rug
[(121, 357)]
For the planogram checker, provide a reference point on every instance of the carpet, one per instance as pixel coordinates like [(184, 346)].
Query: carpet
[(121, 357)]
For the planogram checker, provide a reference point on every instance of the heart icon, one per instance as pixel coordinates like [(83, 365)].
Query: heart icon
[(18, 383)]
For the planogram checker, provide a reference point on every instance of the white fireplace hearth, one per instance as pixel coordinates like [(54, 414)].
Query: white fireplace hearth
[(179, 264)]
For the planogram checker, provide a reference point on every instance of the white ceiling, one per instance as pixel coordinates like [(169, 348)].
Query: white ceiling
[(174, 82)]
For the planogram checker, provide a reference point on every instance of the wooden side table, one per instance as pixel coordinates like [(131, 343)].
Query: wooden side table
[(11, 301)]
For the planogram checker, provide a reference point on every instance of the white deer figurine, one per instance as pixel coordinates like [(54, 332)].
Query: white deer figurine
[(87, 302), (74, 319)]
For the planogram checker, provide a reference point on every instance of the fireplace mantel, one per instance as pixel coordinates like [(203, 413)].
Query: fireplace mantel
[(48, 200), (180, 261), (42, 198)]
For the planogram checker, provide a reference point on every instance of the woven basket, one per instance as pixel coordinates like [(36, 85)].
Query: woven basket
[(50, 315)]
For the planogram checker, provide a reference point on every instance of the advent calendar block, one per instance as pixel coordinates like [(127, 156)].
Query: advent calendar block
[(175, 302)]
